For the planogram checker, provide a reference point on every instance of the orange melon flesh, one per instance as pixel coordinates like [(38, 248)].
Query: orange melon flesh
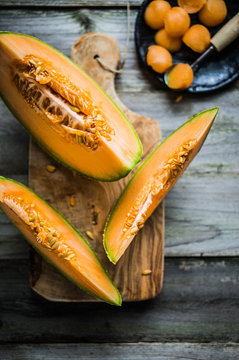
[(84, 269), (112, 159), (140, 197)]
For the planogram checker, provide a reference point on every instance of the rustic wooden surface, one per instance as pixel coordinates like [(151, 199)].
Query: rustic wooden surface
[(157, 351), (210, 203), (200, 298), (93, 200), (199, 303), (68, 3)]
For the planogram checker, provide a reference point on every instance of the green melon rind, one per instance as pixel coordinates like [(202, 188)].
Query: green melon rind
[(115, 177), (118, 300), (127, 188)]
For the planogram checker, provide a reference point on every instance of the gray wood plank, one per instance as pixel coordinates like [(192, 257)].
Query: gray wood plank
[(202, 210), (141, 351), (68, 3), (199, 303)]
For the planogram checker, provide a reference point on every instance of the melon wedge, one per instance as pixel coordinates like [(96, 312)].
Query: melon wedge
[(152, 181), (68, 114), (53, 237)]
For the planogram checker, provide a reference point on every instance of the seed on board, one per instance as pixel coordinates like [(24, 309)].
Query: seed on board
[(72, 201), (51, 168), (146, 272), (179, 98), (89, 234)]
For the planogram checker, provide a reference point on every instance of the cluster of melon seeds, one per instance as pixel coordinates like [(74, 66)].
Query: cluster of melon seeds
[(45, 234), (160, 181), (70, 108)]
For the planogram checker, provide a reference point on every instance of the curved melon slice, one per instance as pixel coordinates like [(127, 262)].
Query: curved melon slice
[(65, 110), (152, 181), (56, 240)]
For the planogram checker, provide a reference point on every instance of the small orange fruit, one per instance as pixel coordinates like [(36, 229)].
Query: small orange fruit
[(191, 6), (197, 37), (180, 77), (155, 13), (159, 58), (213, 13), (176, 22), (170, 43)]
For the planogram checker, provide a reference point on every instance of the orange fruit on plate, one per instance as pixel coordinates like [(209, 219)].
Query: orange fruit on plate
[(213, 13), (180, 77), (155, 13), (177, 21), (191, 6), (197, 37), (159, 58), (170, 43)]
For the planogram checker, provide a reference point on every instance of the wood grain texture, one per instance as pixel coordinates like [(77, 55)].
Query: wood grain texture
[(68, 3), (199, 303), (205, 199), (149, 351), (93, 200)]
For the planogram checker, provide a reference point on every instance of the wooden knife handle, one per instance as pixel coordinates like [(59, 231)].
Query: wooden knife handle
[(227, 34)]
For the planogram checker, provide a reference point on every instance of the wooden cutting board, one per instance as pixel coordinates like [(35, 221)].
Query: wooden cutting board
[(93, 200)]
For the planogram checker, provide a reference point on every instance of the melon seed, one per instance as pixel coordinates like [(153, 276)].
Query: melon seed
[(51, 168), (178, 99), (32, 76), (89, 234), (75, 109), (72, 201), (146, 272), (45, 235), (170, 171)]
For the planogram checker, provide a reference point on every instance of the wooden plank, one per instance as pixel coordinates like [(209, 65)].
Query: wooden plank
[(141, 351), (68, 3), (199, 303), (211, 182)]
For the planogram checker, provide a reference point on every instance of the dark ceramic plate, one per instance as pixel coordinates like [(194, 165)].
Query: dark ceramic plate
[(218, 71)]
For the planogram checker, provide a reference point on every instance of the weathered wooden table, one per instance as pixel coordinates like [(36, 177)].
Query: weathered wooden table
[(197, 314)]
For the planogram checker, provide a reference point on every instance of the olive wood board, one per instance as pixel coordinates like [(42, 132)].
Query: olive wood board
[(93, 200)]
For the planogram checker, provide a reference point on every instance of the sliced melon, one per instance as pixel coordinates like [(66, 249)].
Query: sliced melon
[(152, 181), (53, 237), (65, 110)]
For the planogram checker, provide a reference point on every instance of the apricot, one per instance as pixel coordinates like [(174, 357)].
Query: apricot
[(213, 13), (155, 13), (180, 77), (191, 6), (176, 21), (197, 37), (170, 43), (159, 58)]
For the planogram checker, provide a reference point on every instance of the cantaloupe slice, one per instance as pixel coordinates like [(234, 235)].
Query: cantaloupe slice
[(152, 181), (53, 237), (65, 110)]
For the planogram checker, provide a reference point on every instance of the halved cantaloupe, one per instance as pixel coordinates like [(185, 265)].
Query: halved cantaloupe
[(152, 181), (65, 110), (53, 237)]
